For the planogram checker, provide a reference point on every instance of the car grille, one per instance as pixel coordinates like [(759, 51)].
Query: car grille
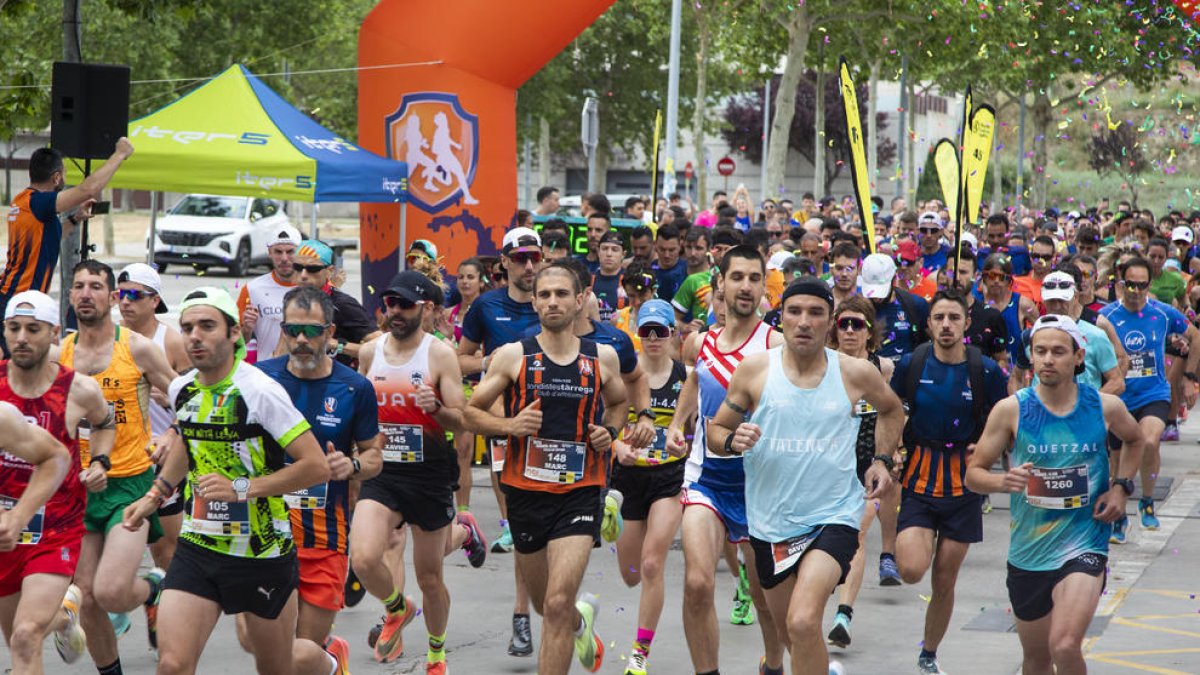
[(186, 238)]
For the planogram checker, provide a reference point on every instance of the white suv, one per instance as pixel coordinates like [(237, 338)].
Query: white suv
[(214, 231)]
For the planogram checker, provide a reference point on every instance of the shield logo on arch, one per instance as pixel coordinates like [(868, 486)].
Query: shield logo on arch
[(439, 140)]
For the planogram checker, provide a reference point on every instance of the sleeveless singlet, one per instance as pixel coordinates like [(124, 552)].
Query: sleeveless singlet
[(864, 446), (160, 417), (801, 473), (1052, 520), (558, 458), (663, 402), (414, 443), (63, 513), (714, 369), (266, 293), (128, 395)]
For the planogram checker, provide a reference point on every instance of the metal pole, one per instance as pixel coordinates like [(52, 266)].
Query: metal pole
[(1017, 199), (403, 235), (153, 227), (312, 224), (669, 183), (764, 191), (590, 126), (527, 200), (901, 184)]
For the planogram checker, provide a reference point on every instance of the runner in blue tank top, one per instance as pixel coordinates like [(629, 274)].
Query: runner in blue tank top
[(1063, 503), (790, 412)]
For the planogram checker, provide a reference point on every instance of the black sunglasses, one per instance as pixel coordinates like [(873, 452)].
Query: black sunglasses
[(397, 302), (308, 330), (1136, 285), (853, 323), (1058, 285), (930, 230), (131, 294), (1041, 256), (313, 269), (654, 331)]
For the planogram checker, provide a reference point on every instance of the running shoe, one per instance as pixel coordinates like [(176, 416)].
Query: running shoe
[(1146, 509), (987, 504), (390, 645), (589, 648), (155, 577), (503, 542), (836, 668), (889, 574), (613, 523), (120, 623), (839, 635), (475, 545), (1171, 433), (439, 668), (743, 606), (636, 664), (928, 665), (70, 641), (521, 643), (373, 634), (339, 649), (354, 590), (764, 670), (1118, 530)]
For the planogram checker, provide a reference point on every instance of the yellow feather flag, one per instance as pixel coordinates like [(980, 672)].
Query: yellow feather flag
[(976, 154), (945, 160), (858, 153)]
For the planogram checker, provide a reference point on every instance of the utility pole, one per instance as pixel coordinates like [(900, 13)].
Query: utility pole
[(69, 243), (672, 140)]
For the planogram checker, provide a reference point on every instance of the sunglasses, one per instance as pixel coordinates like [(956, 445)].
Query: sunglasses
[(130, 294), (1136, 285), (313, 269), (397, 302), (654, 332), (775, 235), (995, 276), (308, 330), (930, 230), (525, 257), (853, 323), (1041, 256), (1058, 285)]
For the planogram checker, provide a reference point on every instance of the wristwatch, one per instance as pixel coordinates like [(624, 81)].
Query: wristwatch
[(241, 488), (357, 466), (612, 431), (647, 412), (888, 462), (1126, 485), (1191, 376), (103, 460)]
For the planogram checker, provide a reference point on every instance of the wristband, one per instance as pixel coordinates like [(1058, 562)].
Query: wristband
[(169, 489), (157, 496), (1191, 376), (729, 445), (341, 347), (888, 462)]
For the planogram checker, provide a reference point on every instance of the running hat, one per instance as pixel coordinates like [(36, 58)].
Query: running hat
[(41, 307), (969, 238), (211, 296), (1172, 264), (1183, 233), (286, 234), (908, 250), (930, 217), (312, 248), (778, 259), (520, 237), (878, 272), (411, 285), (1058, 286), (656, 311), (424, 247), (141, 273), (1063, 323)]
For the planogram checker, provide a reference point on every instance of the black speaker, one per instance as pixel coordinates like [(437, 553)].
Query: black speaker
[(90, 109)]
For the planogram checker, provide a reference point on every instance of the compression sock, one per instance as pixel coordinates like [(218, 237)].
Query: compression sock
[(847, 610), (437, 648), (642, 643), (113, 668), (394, 603)]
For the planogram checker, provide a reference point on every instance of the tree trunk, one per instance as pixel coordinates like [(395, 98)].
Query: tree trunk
[(873, 128), (544, 153), (820, 171), (700, 168), (785, 100), (1042, 118)]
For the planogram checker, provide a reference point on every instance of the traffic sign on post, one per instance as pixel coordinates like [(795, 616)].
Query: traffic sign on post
[(688, 171), (725, 166)]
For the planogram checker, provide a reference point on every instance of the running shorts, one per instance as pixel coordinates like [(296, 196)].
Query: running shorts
[(958, 518), (1159, 409), (54, 554), (730, 507), (323, 577), (643, 485), (106, 509), (537, 517), (429, 507), (839, 541), (260, 586), (1032, 593)]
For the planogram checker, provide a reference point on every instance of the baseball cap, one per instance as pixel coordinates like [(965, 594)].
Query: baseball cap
[(286, 234), (970, 240), (520, 237), (930, 217), (611, 237), (878, 272), (425, 247), (1059, 279), (778, 258), (141, 273), (41, 307), (1172, 264), (411, 285), (908, 250), (1183, 233), (211, 296), (656, 311), (1063, 323), (312, 248)]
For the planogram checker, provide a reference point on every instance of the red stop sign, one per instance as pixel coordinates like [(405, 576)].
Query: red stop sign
[(725, 166), (688, 172)]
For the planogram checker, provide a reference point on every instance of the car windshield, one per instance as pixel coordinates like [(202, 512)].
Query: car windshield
[(211, 207)]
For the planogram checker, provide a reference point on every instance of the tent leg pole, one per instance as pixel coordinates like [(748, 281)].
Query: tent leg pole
[(153, 227), (312, 226), (403, 234)]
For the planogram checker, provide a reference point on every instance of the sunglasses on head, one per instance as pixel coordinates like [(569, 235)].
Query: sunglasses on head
[(525, 257), (853, 323), (397, 302), (1136, 285), (1058, 285), (131, 294), (314, 269), (654, 332), (308, 330)]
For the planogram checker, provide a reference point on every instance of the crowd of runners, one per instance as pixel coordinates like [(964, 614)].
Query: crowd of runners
[(721, 375)]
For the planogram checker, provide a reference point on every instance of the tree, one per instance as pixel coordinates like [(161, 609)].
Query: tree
[(744, 126), (1118, 151)]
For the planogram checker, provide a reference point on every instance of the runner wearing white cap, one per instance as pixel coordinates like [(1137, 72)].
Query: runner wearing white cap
[(261, 299)]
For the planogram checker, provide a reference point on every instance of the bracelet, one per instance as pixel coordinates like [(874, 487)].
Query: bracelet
[(341, 347), (170, 489), (888, 462), (157, 496)]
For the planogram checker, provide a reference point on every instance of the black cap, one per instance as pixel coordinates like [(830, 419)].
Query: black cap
[(612, 237), (412, 286)]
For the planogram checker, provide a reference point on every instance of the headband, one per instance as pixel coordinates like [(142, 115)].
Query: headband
[(808, 286)]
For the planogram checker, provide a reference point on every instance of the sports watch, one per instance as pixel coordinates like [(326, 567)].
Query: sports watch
[(241, 488), (1126, 485)]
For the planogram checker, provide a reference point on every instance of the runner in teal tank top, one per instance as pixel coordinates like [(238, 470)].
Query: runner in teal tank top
[(1063, 502)]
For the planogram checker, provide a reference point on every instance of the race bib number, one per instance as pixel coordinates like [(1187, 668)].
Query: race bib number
[(218, 519), (657, 452), (863, 409), (1058, 489), (404, 443), (499, 448), (32, 533), (1142, 364), (788, 553), (552, 461), (308, 498)]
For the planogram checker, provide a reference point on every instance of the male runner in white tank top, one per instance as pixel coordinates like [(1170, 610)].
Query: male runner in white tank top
[(261, 299)]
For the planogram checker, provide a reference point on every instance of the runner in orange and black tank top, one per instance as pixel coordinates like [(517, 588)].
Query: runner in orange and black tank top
[(557, 459)]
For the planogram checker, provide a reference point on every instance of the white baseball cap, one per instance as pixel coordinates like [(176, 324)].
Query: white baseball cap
[(969, 238), (141, 273), (285, 234), (930, 217), (520, 237), (1058, 286), (40, 307), (1183, 233), (778, 258), (1060, 322), (878, 272)]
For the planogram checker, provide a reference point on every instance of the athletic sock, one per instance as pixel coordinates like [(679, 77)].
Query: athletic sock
[(113, 668), (437, 648), (847, 610), (926, 654), (642, 643), (394, 603), (503, 522), (155, 589)]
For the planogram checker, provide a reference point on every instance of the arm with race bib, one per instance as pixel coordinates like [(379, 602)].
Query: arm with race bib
[(50, 462)]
